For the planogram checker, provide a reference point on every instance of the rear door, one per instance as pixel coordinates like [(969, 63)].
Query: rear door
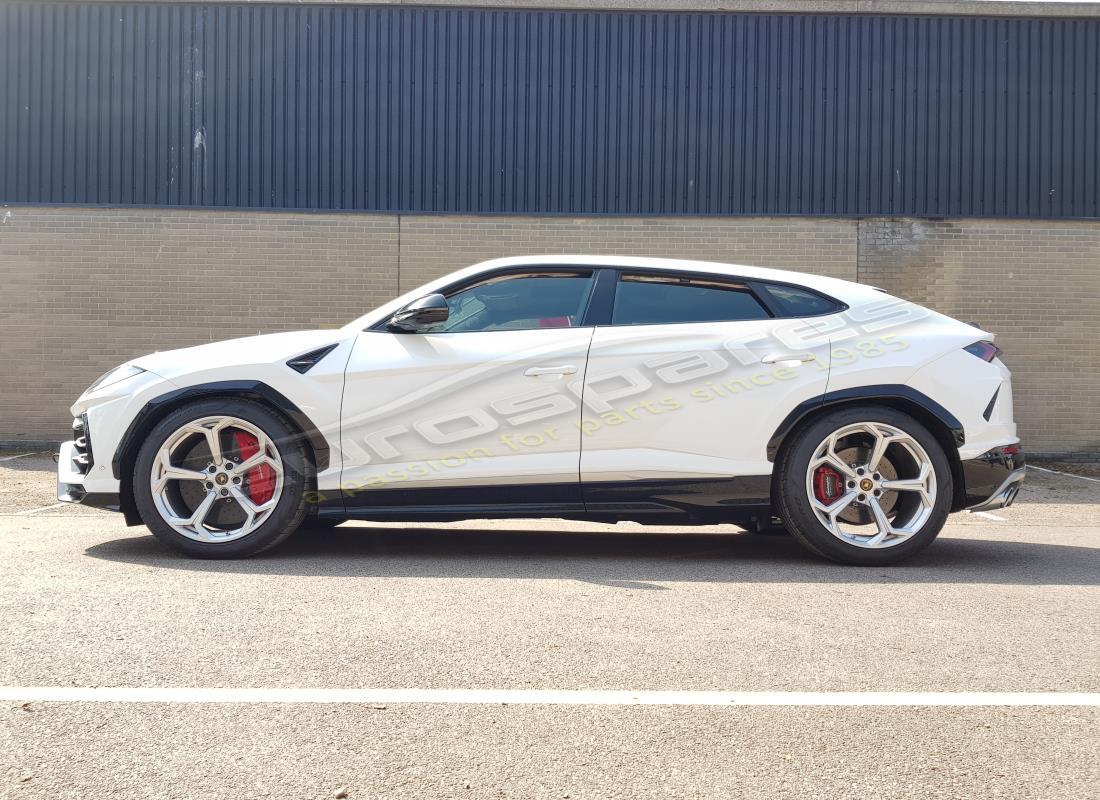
[(692, 377)]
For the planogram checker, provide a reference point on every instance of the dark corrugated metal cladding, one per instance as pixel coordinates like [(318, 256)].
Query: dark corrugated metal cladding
[(520, 111)]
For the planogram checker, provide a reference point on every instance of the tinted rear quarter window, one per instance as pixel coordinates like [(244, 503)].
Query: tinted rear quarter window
[(793, 301), (667, 300)]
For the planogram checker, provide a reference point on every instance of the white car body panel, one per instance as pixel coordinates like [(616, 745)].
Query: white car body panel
[(110, 411), (258, 358), (444, 409), (691, 401), (393, 403), (965, 390)]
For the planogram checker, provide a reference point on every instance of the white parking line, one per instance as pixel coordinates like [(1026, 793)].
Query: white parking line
[(987, 515), (36, 510), (12, 458), (109, 694), (1067, 474)]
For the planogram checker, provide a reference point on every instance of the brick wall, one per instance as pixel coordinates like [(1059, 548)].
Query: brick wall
[(1035, 284), (435, 245), (85, 289)]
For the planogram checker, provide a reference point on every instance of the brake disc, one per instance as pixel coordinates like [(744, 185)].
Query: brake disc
[(857, 513)]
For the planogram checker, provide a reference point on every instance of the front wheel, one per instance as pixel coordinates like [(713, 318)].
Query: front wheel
[(221, 478), (866, 485)]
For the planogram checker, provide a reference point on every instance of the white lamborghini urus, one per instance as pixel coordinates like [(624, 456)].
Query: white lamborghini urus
[(577, 387)]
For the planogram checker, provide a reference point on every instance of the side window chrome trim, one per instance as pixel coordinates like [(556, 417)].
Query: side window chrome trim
[(510, 276), (685, 280)]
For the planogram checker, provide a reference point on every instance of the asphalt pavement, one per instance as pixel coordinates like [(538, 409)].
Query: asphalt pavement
[(1003, 602)]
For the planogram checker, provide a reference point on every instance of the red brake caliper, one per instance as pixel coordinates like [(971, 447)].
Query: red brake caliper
[(261, 479), (828, 485)]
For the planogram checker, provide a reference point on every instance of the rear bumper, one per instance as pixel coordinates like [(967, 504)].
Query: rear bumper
[(993, 479)]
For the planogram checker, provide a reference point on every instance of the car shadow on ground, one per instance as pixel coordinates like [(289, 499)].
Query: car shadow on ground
[(628, 560)]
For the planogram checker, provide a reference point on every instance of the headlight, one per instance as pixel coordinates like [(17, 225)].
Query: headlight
[(115, 375)]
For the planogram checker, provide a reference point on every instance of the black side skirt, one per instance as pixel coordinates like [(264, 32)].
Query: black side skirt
[(652, 501)]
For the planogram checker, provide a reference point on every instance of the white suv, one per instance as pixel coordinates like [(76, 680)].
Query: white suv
[(578, 387)]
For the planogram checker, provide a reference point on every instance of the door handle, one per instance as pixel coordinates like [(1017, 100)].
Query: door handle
[(787, 359), (564, 369)]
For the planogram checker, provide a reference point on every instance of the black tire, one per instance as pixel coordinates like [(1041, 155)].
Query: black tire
[(282, 521), (794, 505)]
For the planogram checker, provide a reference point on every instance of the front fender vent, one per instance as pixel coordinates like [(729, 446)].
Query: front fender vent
[(307, 361)]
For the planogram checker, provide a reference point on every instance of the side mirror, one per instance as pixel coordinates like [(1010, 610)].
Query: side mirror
[(420, 314)]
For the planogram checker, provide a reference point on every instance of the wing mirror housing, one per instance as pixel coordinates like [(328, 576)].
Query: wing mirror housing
[(420, 314)]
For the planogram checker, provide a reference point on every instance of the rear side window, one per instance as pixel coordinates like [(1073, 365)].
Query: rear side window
[(795, 302), (665, 299)]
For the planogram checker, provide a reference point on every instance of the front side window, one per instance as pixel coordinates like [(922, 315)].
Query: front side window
[(666, 299), (519, 302)]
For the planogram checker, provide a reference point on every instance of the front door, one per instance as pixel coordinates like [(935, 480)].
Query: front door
[(480, 410)]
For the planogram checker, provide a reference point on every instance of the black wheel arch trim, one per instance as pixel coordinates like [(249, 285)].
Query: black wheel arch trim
[(886, 391), (155, 409)]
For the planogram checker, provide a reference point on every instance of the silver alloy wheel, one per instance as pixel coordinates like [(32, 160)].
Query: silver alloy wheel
[(881, 471), (197, 462)]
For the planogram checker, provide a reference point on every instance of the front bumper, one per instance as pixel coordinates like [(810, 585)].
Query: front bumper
[(992, 480), (70, 482)]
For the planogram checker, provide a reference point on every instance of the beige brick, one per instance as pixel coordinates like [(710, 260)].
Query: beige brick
[(1035, 284), (84, 289), (433, 245)]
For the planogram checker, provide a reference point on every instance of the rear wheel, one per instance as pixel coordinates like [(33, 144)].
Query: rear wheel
[(221, 478), (864, 485)]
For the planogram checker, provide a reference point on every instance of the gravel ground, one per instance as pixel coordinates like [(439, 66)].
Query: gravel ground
[(1002, 602), (1089, 470)]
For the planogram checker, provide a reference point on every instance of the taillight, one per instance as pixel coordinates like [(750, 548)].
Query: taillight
[(986, 351)]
